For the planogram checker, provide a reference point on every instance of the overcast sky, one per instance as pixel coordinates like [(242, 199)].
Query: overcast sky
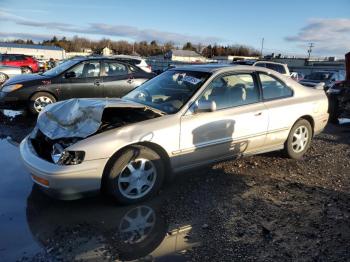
[(287, 26)]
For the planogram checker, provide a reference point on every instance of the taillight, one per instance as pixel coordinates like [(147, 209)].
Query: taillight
[(149, 67)]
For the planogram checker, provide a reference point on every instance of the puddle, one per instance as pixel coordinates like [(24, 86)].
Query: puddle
[(16, 239), (97, 229), (11, 113), (344, 121), (36, 227)]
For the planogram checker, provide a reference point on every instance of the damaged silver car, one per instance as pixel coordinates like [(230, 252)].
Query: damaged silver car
[(184, 118)]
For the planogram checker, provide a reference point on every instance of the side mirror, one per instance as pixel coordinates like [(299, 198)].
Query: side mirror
[(204, 106), (70, 74), (320, 86)]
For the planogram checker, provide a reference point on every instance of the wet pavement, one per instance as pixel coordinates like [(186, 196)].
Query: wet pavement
[(261, 208), (35, 227)]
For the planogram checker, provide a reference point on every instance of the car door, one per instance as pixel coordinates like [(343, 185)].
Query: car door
[(117, 79), (83, 80), (238, 125), (278, 99)]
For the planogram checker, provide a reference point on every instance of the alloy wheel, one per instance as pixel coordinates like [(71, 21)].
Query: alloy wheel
[(300, 139), (40, 102), (137, 178)]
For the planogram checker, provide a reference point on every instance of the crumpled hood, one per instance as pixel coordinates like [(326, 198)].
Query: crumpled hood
[(77, 117)]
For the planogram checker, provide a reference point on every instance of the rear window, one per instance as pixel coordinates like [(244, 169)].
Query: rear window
[(130, 61), (278, 68)]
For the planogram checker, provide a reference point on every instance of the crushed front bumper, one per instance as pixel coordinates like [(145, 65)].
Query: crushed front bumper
[(64, 182)]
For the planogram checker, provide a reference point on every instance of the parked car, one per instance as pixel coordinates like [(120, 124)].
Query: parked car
[(81, 77), (28, 64), (243, 62), (184, 118), (339, 101), (7, 72), (297, 76), (278, 67), (136, 61), (329, 78)]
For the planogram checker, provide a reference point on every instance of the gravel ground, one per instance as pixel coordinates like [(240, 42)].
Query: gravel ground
[(260, 208)]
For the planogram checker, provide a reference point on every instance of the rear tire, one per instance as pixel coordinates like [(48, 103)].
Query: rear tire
[(39, 100), (299, 139), (136, 174)]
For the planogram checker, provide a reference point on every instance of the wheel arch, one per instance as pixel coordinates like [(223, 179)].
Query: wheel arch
[(43, 91), (310, 119), (157, 148)]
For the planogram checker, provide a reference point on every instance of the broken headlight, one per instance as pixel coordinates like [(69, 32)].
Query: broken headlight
[(62, 157)]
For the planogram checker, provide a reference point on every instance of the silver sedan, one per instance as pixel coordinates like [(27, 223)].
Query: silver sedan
[(7, 72), (182, 119)]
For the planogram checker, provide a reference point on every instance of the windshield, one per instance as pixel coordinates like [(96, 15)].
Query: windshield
[(169, 91), (61, 68), (319, 76)]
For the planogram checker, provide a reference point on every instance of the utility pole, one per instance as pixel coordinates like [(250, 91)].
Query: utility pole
[(311, 45), (262, 47)]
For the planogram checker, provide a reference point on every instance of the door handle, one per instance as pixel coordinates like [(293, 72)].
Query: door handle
[(258, 114), (97, 83), (130, 80)]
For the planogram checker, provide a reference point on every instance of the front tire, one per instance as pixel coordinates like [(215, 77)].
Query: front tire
[(39, 100), (135, 175), (299, 139)]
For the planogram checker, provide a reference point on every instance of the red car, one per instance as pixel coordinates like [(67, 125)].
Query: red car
[(27, 63)]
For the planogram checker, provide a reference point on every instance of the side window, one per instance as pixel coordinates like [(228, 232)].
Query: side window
[(20, 57), (273, 88), (114, 69), (232, 90), (277, 68), (87, 69), (260, 64), (12, 58), (133, 69)]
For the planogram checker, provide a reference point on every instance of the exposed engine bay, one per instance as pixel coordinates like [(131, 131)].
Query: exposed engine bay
[(64, 124)]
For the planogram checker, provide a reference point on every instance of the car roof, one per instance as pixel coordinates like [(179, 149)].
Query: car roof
[(127, 57), (86, 58), (6, 54), (211, 68), (269, 62)]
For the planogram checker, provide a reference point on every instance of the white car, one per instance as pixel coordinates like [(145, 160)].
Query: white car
[(184, 118), (136, 61), (7, 72), (278, 67)]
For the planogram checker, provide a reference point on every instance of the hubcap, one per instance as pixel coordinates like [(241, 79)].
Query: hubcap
[(137, 178), (300, 139), (41, 102), (137, 224)]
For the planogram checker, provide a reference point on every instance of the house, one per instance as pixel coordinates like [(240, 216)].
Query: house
[(106, 51), (188, 56), (38, 51)]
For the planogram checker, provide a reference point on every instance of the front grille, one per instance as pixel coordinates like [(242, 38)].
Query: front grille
[(42, 146)]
